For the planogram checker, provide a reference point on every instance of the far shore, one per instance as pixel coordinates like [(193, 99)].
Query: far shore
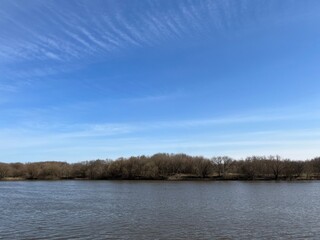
[(177, 177), (167, 167)]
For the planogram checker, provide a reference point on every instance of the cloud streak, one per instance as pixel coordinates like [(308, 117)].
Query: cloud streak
[(114, 140), (59, 36), (58, 33), (83, 145)]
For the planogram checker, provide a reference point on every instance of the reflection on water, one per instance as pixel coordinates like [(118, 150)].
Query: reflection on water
[(159, 210)]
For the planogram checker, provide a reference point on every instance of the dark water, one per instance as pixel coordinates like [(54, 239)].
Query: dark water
[(159, 210)]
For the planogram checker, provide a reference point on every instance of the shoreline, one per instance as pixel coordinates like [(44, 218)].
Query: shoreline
[(167, 167), (174, 178)]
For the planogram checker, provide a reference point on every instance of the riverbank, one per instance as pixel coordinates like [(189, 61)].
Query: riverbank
[(173, 167), (176, 177)]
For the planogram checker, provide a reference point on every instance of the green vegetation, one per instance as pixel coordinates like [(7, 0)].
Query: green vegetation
[(167, 167)]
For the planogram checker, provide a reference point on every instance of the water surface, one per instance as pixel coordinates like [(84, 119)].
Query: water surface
[(159, 210)]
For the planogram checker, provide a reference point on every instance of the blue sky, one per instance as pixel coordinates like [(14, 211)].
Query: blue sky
[(82, 80)]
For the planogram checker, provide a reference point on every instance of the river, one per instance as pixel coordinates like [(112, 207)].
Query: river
[(159, 210)]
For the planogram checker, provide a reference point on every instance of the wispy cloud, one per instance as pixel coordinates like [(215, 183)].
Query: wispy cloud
[(59, 35), (115, 139), (75, 146)]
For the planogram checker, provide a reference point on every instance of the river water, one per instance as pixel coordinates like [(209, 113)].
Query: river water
[(159, 210)]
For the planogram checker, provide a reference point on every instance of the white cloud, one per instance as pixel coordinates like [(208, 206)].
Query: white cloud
[(92, 26)]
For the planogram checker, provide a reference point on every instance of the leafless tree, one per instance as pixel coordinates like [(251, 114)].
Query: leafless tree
[(204, 167), (4, 170), (222, 164), (276, 165)]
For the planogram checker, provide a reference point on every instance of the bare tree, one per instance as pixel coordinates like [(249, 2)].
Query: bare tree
[(316, 166), (33, 170), (249, 168), (222, 164), (4, 170), (276, 165), (204, 167)]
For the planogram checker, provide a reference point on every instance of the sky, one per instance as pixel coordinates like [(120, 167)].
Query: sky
[(82, 80)]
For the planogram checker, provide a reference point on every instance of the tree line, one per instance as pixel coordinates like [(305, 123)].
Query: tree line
[(163, 166)]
